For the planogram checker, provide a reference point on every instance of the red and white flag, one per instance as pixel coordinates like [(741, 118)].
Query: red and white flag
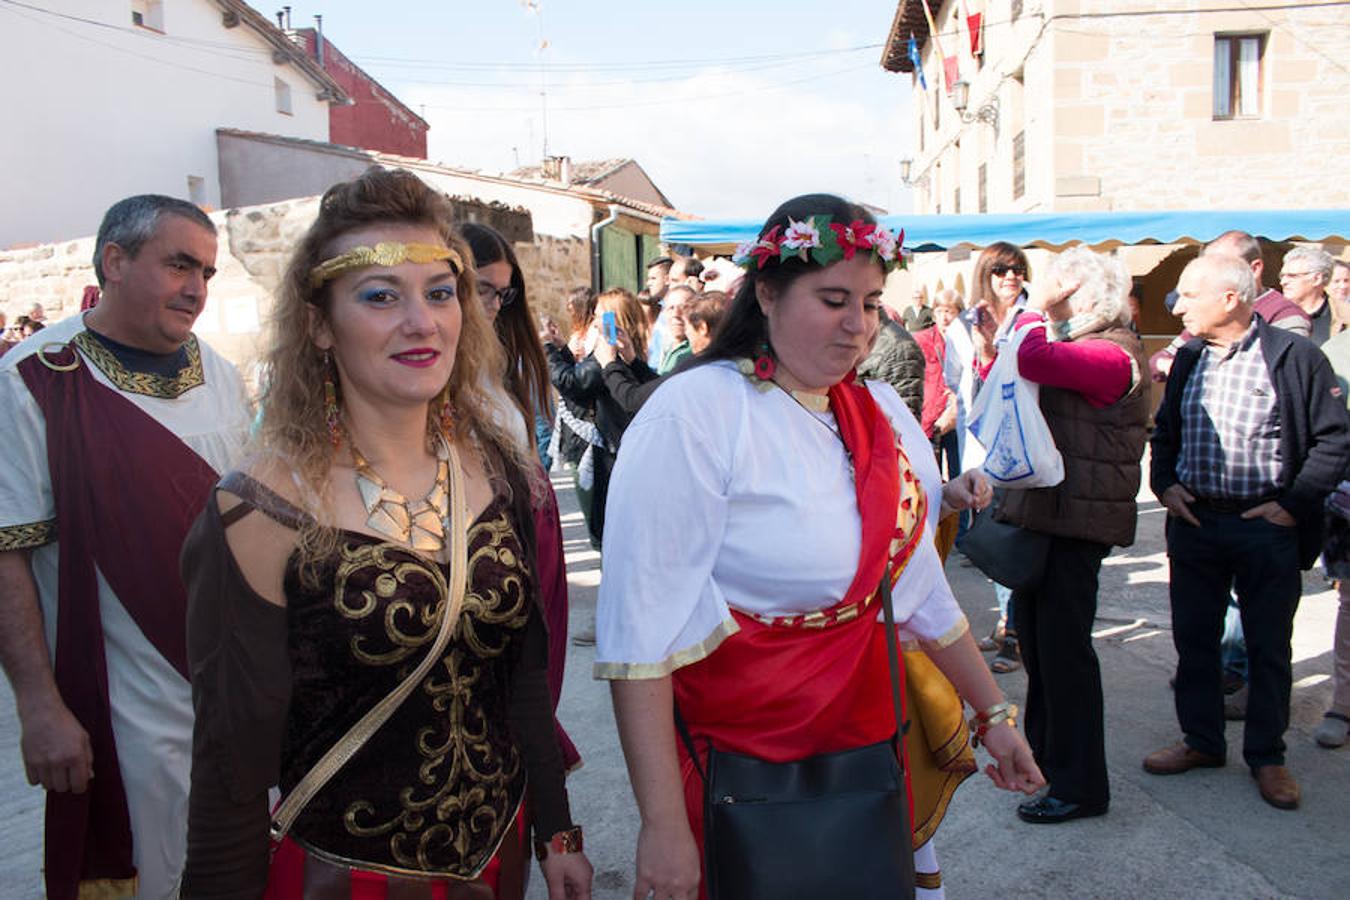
[(973, 10), (950, 64)]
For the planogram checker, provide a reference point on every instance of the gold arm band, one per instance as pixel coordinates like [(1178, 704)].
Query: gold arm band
[(623, 671), (385, 253), (24, 537), (950, 636)]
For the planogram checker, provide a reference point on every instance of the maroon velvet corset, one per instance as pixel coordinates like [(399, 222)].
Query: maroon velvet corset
[(435, 789)]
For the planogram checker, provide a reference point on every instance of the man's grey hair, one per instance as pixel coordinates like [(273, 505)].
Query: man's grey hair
[(131, 222), (1235, 243), (1103, 282), (1230, 273), (1320, 263)]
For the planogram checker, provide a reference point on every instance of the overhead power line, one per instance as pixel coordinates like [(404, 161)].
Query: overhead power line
[(661, 101), (533, 67)]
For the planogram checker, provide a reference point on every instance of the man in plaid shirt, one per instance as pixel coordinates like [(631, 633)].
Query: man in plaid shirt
[(1251, 437)]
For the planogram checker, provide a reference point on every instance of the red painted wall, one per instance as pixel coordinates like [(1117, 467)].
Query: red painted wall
[(377, 120)]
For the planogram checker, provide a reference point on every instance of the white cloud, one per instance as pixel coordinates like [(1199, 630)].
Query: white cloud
[(720, 143)]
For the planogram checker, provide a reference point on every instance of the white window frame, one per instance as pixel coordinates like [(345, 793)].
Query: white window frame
[(281, 90), (1239, 75)]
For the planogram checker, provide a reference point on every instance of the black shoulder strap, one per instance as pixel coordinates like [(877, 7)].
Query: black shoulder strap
[(256, 495), (893, 657), (688, 739)]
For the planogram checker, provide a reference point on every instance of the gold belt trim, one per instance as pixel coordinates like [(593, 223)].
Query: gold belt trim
[(821, 618), (384, 869), (108, 888)]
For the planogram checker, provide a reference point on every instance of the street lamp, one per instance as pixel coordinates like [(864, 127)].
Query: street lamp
[(960, 95), (907, 174), (987, 113)]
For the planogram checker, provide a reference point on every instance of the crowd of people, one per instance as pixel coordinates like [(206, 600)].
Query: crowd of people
[(327, 659), (24, 326)]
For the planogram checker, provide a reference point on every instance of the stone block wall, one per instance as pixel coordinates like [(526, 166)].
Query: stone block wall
[(1133, 109), (1115, 98), (53, 275), (553, 266), (254, 244)]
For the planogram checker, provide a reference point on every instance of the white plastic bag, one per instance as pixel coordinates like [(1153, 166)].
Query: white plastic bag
[(1006, 418)]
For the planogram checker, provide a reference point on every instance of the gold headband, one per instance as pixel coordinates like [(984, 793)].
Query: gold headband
[(382, 254)]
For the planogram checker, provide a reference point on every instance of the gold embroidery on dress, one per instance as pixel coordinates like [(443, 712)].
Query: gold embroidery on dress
[(404, 627), (147, 383), (22, 537), (465, 793)]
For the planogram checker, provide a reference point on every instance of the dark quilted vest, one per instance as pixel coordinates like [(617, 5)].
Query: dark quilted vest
[(1102, 448)]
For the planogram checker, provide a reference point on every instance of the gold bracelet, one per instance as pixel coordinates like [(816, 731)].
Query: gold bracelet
[(568, 841), (984, 719)]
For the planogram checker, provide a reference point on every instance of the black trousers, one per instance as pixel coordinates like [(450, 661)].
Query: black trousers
[(1063, 716), (1259, 561)]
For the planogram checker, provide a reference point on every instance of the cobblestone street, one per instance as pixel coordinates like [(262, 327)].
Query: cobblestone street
[(1206, 834)]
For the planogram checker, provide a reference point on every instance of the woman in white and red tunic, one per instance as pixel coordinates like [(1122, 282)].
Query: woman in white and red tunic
[(785, 494)]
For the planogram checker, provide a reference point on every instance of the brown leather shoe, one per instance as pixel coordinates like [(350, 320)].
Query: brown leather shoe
[(1278, 787), (1180, 758)]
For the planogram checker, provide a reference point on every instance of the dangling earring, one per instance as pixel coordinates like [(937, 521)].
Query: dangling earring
[(446, 413), (764, 362), (332, 413)]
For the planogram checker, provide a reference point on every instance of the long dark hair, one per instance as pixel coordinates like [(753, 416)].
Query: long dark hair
[(744, 328), (526, 375)]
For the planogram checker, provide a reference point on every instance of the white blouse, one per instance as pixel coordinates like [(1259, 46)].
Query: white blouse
[(728, 496)]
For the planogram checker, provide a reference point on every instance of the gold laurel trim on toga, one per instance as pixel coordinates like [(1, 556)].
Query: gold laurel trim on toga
[(677, 660), (145, 383), (24, 537)]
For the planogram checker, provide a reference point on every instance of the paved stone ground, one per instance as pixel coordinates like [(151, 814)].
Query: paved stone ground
[(1206, 834)]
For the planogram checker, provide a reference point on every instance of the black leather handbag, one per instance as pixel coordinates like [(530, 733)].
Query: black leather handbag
[(831, 825), (1011, 555)]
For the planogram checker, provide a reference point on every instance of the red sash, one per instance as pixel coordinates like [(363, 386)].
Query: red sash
[(551, 573), (126, 491), (793, 688)]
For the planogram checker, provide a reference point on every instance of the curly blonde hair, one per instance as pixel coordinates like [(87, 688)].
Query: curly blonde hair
[(294, 429)]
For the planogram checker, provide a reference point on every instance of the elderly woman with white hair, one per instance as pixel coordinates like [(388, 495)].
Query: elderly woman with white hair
[(1088, 364)]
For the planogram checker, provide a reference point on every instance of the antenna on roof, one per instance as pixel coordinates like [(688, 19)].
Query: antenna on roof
[(537, 7)]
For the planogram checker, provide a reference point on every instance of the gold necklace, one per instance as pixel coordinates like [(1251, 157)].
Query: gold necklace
[(422, 525)]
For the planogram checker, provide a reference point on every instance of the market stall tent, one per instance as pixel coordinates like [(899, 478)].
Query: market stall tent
[(1055, 231)]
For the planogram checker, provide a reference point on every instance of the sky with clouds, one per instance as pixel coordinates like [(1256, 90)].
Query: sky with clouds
[(730, 106)]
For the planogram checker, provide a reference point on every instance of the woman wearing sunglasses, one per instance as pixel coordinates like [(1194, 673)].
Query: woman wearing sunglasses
[(998, 292)]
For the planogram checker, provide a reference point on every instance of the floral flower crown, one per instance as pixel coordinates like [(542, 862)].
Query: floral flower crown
[(818, 239)]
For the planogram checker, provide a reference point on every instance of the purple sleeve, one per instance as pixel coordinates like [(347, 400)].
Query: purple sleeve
[(1099, 370)]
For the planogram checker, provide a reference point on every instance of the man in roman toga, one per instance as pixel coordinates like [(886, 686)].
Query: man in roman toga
[(119, 421)]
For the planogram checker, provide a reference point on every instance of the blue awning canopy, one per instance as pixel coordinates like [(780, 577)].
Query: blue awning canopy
[(1055, 231)]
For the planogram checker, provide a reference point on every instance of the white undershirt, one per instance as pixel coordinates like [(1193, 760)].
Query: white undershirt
[(727, 496)]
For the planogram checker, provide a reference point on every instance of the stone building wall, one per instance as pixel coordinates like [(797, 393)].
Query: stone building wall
[(1115, 98), (254, 243), (1133, 123)]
